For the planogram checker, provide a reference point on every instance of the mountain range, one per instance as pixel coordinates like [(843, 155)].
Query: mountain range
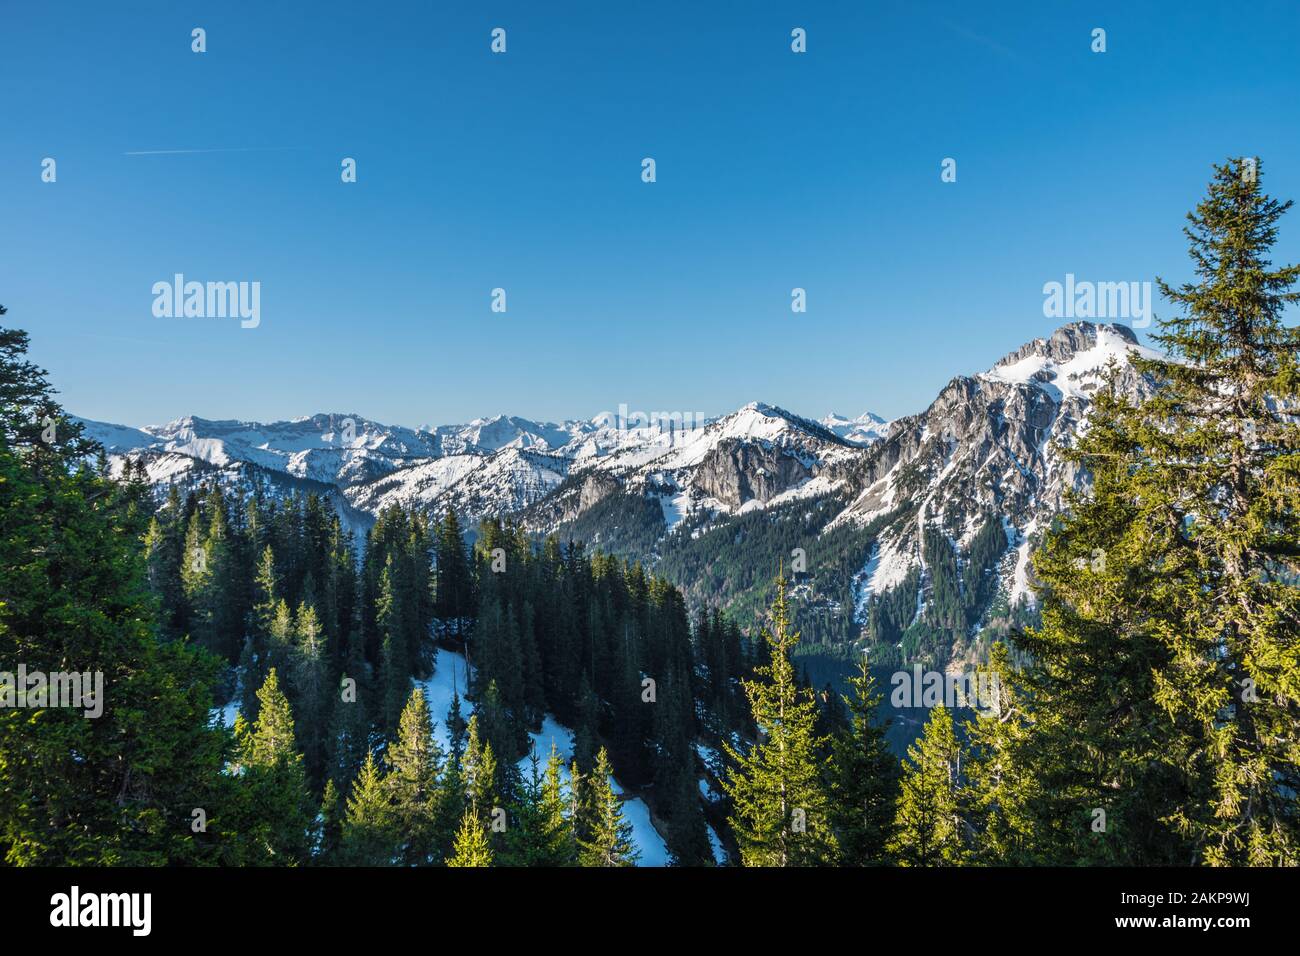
[(913, 535)]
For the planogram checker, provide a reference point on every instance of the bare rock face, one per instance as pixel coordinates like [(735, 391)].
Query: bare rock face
[(989, 448), (736, 472), (595, 487)]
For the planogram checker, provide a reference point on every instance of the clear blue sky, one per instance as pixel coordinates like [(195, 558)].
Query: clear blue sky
[(522, 171)]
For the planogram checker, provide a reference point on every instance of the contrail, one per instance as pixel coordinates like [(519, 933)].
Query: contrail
[(234, 149)]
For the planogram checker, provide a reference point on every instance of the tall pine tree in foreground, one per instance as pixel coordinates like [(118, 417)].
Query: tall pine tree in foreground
[(864, 777), (1224, 486), (928, 828), (117, 788), (415, 761), (609, 839), (278, 808), (782, 813), (1166, 683)]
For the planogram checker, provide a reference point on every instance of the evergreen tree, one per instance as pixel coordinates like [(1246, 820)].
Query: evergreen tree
[(349, 736), (609, 839), (781, 814), (864, 777), (415, 761), (538, 834), (369, 835), (456, 726), (1006, 796), (1217, 481), (558, 827), (117, 788), (480, 769), (278, 811), (471, 847), (928, 827), (311, 686), (331, 823), (455, 595), (1164, 693)]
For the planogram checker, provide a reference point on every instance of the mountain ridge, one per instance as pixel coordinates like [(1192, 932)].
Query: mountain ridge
[(933, 515)]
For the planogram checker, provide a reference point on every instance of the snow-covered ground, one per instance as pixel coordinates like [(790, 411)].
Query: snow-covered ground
[(719, 854), (228, 713), (451, 671), (452, 676)]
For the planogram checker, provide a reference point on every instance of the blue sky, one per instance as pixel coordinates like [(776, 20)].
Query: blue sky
[(522, 171)]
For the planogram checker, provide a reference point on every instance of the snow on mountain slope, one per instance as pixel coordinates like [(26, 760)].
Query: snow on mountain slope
[(863, 430), (986, 450), (508, 431), (740, 461), (983, 451), (474, 485), (114, 438)]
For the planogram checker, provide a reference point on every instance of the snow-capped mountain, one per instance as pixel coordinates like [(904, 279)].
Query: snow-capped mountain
[(863, 430), (500, 465), (756, 456), (974, 478), (987, 449)]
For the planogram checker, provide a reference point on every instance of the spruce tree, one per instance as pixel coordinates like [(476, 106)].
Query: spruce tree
[(1006, 794), (471, 847), (537, 835), (556, 822), (928, 827), (349, 735), (1218, 482), (118, 788), (311, 686), (415, 761), (609, 839), (864, 777), (369, 834), (480, 770), (781, 814), (1163, 680), (278, 809)]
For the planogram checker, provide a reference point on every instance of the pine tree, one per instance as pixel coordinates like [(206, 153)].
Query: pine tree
[(278, 811), (1005, 793), (928, 828), (609, 842), (456, 726), (781, 813), (1163, 682), (331, 824), (1219, 481), (480, 769), (117, 789), (455, 597), (471, 847), (369, 836), (415, 761), (556, 824), (538, 834), (864, 781), (310, 683), (451, 804), (349, 736)]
